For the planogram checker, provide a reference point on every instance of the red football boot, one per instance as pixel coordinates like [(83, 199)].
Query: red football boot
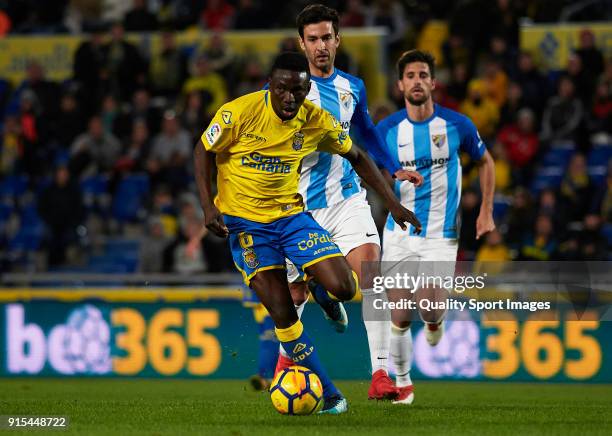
[(406, 395), (282, 363), (382, 387)]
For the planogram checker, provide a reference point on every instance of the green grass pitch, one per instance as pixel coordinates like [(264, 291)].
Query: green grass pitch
[(179, 407)]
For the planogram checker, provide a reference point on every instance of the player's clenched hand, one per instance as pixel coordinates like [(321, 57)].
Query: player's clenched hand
[(401, 215), (412, 176), (484, 224), (214, 222)]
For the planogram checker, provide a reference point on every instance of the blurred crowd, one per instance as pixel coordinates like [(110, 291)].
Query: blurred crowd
[(471, 18), (106, 155)]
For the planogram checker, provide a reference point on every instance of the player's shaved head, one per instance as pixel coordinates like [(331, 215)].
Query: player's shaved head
[(290, 61)]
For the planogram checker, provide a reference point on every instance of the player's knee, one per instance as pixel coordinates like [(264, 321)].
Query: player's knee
[(299, 292), (345, 286), (370, 253)]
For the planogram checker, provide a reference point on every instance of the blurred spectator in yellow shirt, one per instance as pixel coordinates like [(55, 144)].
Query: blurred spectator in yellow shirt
[(480, 108), (496, 82), (210, 84), (492, 253)]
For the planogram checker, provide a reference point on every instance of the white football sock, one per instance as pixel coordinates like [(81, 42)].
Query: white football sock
[(377, 323), (299, 309), (401, 353)]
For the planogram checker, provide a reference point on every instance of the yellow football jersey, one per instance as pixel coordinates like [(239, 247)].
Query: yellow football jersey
[(259, 155)]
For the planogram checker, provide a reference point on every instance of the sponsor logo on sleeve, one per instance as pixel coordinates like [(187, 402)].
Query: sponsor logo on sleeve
[(213, 133)]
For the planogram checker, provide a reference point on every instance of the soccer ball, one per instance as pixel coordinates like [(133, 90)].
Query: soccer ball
[(296, 391)]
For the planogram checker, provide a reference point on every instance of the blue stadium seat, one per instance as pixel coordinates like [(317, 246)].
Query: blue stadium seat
[(28, 238), (62, 157), (125, 252), (106, 264), (43, 184), (597, 163), (5, 212), (13, 186), (547, 177), (95, 185), (500, 207), (607, 231), (29, 216), (129, 198), (122, 246), (558, 155), (95, 189)]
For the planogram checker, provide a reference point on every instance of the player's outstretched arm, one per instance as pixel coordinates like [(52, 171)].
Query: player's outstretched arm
[(486, 176), (203, 165), (367, 170)]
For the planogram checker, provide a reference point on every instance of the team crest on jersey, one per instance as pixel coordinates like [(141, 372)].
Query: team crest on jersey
[(438, 140), (250, 258), (227, 117), (346, 99), (213, 133), (298, 141)]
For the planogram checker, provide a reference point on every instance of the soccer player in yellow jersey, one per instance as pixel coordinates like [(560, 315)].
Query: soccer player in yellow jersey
[(259, 141)]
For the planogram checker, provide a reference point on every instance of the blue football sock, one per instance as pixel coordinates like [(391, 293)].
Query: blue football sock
[(301, 349), (268, 348), (320, 293)]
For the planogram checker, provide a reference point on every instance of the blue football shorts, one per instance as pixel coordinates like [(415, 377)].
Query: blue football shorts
[(264, 246)]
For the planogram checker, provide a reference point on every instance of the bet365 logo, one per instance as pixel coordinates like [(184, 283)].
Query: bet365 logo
[(81, 345)]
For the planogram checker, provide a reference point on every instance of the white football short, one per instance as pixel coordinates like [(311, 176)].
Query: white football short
[(413, 255), (350, 225)]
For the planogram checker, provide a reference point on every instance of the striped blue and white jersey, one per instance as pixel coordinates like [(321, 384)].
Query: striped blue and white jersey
[(432, 148), (328, 179)]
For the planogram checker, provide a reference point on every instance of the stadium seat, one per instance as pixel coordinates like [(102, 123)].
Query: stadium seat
[(501, 205), (547, 177), (607, 231), (28, 238), (106, 265), (5, 212), (122, 246), (95, 193), (13, 186), (43, 183), (125, 252), (558, 155), (129, 198), (29, 216), (597, 163)]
